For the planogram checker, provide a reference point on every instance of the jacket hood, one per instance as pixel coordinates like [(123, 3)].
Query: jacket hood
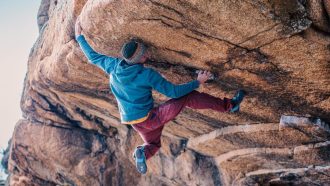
[(126, 73)]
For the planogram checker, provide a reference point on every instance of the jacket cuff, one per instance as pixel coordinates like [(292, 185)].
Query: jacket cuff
[(80, 38), (195, 84)]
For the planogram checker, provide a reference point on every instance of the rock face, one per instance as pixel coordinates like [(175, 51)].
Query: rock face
[(279, 51)]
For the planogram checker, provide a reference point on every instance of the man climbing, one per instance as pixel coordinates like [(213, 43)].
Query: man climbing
[(132, 84)]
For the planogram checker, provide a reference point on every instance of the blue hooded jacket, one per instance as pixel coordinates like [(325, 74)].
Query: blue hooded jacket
[(132, 84)]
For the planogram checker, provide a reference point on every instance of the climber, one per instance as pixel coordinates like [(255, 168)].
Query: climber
[(131, 84)]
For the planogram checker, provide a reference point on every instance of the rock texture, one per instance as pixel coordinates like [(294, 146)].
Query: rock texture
[(279, 51)]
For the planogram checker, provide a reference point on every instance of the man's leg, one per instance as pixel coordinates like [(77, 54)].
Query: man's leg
[(195, 100), (151, 138), (151, 129)]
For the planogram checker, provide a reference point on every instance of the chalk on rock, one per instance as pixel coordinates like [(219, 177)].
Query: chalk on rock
[(213, 76), (294, 121), (297, 121)]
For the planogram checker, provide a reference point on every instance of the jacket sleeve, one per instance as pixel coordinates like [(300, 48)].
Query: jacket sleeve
[(169, 89), (106, 63)]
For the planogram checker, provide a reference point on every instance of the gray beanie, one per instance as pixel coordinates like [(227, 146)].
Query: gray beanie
[(132, 51)]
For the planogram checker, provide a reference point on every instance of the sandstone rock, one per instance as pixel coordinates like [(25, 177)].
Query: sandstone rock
[(295, 121), (302, 176), (318, 14), (71, 132), (77, 156), (43, 13)]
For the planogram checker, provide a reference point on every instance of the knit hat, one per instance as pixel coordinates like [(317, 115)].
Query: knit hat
[(132, 51)]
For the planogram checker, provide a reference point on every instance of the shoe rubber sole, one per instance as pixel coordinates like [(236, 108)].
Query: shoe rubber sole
[(140, 160), (237, 105)]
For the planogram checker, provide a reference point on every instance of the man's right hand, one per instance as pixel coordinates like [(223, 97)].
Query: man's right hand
[(203, 76), (78, 28)]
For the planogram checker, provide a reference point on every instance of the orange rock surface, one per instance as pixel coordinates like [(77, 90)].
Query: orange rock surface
[(279, 51)]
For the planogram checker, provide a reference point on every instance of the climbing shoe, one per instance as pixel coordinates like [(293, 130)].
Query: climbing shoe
[(237, 99), (140, 160)]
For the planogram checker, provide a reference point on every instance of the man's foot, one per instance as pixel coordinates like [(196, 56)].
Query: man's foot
[(237, 99), (140, 160)]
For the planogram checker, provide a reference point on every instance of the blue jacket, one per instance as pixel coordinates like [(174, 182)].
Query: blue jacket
[(132, 84)]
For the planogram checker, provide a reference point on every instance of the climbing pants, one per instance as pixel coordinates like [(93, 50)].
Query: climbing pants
[(151, 129)]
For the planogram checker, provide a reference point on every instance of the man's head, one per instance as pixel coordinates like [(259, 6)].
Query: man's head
[(134, 52)]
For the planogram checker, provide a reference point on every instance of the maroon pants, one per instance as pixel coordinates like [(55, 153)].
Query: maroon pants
[(151, 129)]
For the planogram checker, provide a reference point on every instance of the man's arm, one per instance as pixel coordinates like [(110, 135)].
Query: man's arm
[(169, 89), (106, 63)]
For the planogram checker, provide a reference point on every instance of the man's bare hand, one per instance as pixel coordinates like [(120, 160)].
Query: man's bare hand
[(78, 28), (203, 76)]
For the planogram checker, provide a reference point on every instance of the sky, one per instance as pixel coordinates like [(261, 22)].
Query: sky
[(18, 32)]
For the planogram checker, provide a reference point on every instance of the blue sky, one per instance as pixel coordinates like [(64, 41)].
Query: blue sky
[(18, 32)]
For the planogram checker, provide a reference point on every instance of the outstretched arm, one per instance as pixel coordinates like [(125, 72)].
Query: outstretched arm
[(104, 62), (175, 91)]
